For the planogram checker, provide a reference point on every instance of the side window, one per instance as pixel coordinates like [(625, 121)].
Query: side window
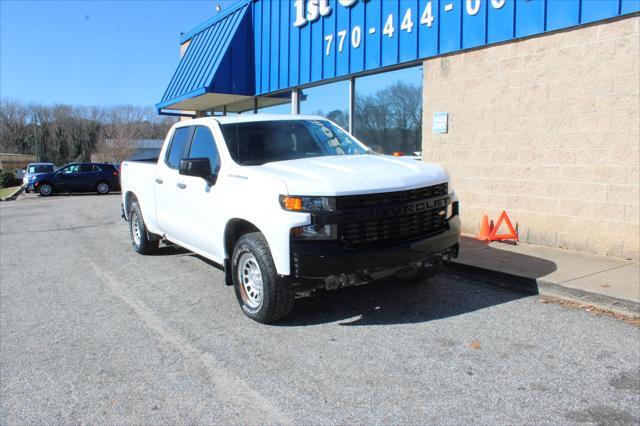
[(86, 168), (178, 147), (73, 168), (204, 146)]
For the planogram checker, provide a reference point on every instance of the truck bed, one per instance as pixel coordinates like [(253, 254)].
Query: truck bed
[(137, 177)]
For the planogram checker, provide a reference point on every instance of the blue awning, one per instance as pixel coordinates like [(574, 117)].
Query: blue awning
[(216, 61)]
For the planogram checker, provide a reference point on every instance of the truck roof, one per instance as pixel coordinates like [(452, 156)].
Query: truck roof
[(249, 118)]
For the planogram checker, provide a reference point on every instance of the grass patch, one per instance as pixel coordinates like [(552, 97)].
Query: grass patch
[(5, 192)]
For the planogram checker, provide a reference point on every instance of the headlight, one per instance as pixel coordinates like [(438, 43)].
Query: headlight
[(307, 204), (315, 232)]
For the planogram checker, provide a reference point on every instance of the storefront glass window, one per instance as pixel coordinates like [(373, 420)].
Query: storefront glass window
[(280, 104), (328, 100), (389, 111)]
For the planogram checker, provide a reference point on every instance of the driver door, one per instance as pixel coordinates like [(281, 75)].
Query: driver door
[(202, 215), (69, 178), (170, 197)]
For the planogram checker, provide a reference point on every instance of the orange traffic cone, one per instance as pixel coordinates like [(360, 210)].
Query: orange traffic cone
[(483, 235)]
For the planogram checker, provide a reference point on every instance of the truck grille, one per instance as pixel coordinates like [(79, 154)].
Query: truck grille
[(391, 230)]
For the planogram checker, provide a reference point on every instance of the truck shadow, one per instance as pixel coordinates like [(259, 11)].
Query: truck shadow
[(456, 291), (394, 302), (391, 301)]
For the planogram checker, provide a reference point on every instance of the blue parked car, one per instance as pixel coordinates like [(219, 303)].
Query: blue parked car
[(32, 170), (79, 177)]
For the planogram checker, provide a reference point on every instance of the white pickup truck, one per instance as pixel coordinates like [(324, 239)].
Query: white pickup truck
[(288, 205)]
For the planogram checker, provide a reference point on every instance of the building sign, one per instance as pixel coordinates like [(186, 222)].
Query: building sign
[(300, 42), (312, 10), (263, 47), (440, 122)]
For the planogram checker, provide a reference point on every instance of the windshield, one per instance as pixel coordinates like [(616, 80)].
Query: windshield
[(42, 168), (262, 142)]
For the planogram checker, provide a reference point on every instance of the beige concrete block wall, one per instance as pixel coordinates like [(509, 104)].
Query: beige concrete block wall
[(546, 128)]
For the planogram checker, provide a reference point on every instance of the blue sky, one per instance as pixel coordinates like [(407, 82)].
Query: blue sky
[(93, 52), (105, 52)]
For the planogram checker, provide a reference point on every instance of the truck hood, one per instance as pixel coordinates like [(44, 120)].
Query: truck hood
[(353, 174)]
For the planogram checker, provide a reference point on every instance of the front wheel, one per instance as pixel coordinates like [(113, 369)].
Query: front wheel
[(260, 294), (45, 189), (138, 232)]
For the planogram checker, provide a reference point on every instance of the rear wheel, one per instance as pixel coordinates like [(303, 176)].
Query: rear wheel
[(45, 189), (103, 188), (138, 231), (261, 295)]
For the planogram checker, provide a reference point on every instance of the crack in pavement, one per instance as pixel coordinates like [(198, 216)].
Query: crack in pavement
[(254, 407)]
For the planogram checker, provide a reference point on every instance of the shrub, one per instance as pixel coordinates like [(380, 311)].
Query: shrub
[(8, 179)]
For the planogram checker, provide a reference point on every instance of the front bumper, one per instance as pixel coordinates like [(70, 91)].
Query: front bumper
[(318, 260)]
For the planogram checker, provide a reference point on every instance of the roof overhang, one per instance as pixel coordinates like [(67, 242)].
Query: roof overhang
[(216, 68), (218, 101)]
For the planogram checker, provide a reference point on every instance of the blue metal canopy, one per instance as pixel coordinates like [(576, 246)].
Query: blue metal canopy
[(261, 48), (216, 60)]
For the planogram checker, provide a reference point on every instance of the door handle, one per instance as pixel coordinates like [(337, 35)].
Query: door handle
[(181, 185), (158, 180)]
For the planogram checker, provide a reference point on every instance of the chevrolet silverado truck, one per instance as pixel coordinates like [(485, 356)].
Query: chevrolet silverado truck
[(289, 205)]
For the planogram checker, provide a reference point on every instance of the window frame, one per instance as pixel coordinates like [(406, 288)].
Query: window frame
[(215, 145), (190, 129), (94, 168), (70, 166)]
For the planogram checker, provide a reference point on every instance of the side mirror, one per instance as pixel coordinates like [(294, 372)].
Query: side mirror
[(198, 167)]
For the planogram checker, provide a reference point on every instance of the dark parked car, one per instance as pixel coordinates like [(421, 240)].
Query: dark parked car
[(79, 177)]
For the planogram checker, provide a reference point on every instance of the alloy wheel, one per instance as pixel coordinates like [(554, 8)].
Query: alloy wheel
[(250, 278)]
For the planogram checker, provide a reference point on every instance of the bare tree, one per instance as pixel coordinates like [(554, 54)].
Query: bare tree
[(391, 119), (373, 120), (406, 105), (63, 133), (13, 127), (119, 134)]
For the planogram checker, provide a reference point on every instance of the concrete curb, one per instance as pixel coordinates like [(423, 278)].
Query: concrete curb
[(546, 288), (13, 196)]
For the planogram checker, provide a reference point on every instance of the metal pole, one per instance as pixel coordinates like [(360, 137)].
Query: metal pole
[(35, 136), (352, 104), (295, 102)]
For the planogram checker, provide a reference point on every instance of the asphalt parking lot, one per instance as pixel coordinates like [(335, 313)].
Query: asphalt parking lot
[(91, 332)]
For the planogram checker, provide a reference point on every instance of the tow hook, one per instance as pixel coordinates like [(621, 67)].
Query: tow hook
[(335, 282), (452, 252)]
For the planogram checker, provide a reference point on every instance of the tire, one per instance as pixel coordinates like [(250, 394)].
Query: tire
[(45, 189), (419, 275), (261, 295), (103, 188), (138, 232)]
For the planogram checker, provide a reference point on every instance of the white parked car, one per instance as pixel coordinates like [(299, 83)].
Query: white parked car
[(32, 170), (290, 204)]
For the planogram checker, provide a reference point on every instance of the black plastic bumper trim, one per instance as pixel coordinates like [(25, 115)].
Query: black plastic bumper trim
[(323, 259)]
